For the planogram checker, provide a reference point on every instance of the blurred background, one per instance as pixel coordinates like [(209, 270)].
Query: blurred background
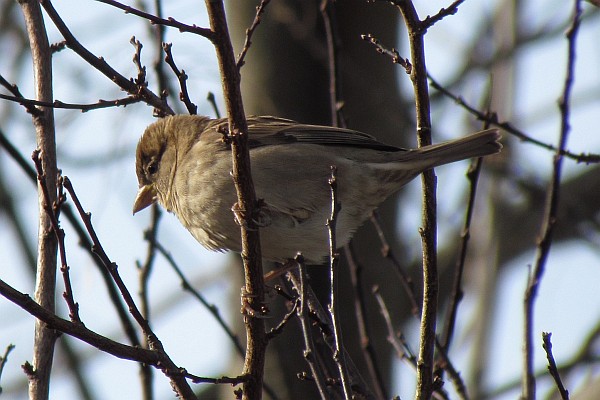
[(507, 56)]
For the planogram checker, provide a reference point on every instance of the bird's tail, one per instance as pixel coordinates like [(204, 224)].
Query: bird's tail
[(477, 144)]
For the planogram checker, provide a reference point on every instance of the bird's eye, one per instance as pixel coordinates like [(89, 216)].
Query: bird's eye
[(152, 167)]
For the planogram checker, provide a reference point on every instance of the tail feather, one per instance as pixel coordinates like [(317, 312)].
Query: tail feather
[(477, 144)]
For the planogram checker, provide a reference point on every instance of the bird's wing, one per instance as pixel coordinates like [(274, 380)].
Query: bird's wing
[(268, 131)]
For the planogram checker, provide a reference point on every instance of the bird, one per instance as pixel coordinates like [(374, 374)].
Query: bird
[(184, 163)]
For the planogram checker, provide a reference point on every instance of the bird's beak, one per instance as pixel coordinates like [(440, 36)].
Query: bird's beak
[(146, 196)]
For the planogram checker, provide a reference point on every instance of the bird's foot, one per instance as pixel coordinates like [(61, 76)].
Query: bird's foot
[(261, 217), (248, 309)]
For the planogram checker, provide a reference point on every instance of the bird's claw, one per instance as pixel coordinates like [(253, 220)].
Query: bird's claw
[(260, 219), (249, 310)]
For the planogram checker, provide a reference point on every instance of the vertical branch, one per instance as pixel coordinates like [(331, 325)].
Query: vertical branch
[(338, 352), (418, 75), (551, 212), (45, 284), (246, 205), (327, 11), (159, 33)]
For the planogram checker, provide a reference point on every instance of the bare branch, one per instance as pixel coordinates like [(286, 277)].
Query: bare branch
[(428, 230), (204, 32), (452, 9), (551, 211), (180, 385), (184, 96), (310, 352), (14, 89), (29, 103), (457, 293), (405, 279), (260, 9), (45, 283), (395, 339), (187, 286), (84, 242), (4, 359), (246, 206), (547, 339), (211, 99), (338, 352), (364, 330), (393, 53), (336, 101), (156, 356), (488, 117), (52, 210), (101, 65), (492, 119)]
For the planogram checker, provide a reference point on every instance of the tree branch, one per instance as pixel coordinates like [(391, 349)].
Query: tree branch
[(246, 206), (45, 284), (551, 210), (207, 33), (418, 76), (101, 65)]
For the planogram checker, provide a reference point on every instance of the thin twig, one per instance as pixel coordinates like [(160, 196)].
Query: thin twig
[(338, 353), (214, 310), (156, 357), (395, 339), (172, 22), (182, 77), (161, 107), (335, 101), (187, 286), (84, 242), (324, 347), (28, 103), (159, 31), (260, 9), (213, 102), (551, 211), (487, 117), (586, 355), (137, 61), (492, 119), (331, 34), (4, 359), (457, 293), (401, 347), (356, 271), (393, 53), (452, 9), (447, 365), (179, 383), (284, 321), (405, 279), (310, 353), (547, 339), (60, 235), (14, 89)]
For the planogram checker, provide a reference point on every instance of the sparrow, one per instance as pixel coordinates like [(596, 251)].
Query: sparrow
[(184, 163)]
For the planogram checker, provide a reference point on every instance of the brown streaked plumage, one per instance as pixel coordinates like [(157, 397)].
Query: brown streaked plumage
[(183, 163)]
